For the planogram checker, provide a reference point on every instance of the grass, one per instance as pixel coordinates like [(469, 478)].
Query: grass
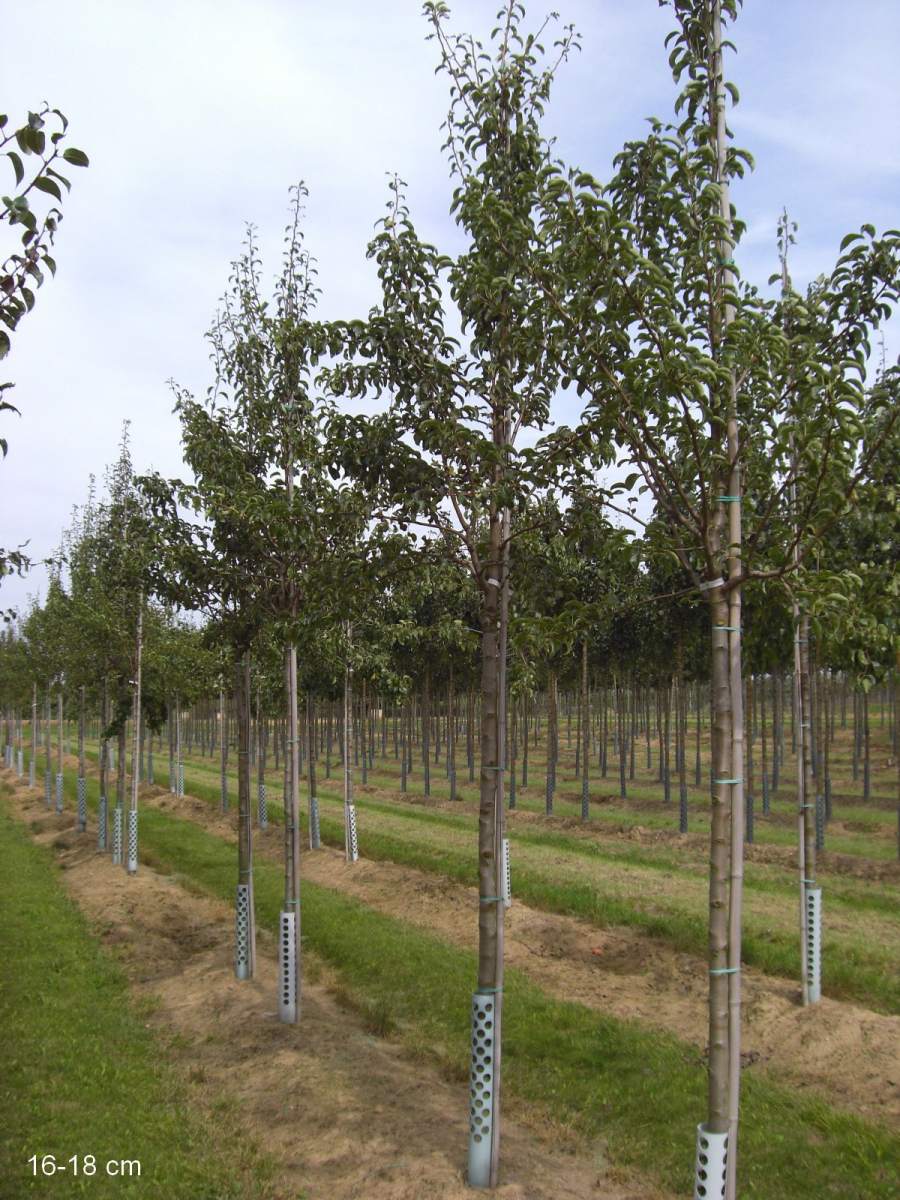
[(855, 969), (873, 839), (857, 894), (641, 1091), (82, 1073)]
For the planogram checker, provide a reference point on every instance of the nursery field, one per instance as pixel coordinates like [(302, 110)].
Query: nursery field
[(605, 1029), (455, 749)]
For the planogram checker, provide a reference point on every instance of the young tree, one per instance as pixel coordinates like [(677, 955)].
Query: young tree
[(684, 366), (448, 453)]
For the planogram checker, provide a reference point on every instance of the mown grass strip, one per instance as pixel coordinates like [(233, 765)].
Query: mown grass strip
[(641, 1091), (81, 1072), (885, 900), (616, 814), (854, 971)]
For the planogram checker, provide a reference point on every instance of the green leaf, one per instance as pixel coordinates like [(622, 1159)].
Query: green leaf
[(35, 140), (77, 158), (43, 184), (4, 344), (17, 166)]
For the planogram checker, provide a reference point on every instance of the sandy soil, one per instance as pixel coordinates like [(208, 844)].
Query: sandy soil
[(846, 1053), (345, 1115)]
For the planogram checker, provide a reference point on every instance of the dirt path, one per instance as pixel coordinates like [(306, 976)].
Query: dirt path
[(344, 1114), (844, 1052)]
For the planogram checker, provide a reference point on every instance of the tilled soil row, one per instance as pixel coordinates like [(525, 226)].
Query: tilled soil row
[(844, 1052), (344, 1114)]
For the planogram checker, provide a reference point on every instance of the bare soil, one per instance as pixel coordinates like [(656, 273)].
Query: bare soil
[(345, 1115), (829, 862), (846, 1053)]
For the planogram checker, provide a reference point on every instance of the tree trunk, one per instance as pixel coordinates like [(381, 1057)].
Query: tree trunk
[(451, 735), (763, 751), (487, 1003), (131, 858), (245, 923), (82, 781), (426, 731), (721, 733), (350, 848), (552, 741), (59, 750), (585, 734), (291, 966), (223, 750), (313, 801)]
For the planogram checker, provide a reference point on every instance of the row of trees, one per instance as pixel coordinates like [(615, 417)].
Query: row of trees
[(355, 547)]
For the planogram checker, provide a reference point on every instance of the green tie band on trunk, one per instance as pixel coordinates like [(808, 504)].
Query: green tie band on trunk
[(489, 899), (724, 970), (728, 628), (728, 499), (487, 991), (728, 781)]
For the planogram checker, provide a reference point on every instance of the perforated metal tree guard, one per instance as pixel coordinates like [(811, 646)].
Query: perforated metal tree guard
[(748, 818), (352, 838), (172, 777), (262, 806), (711, 1165), (242, 932), (814, 944), (117, 836), (181, 779), (31, 774), (132, 863), (507, 877), (481, 1091), (82, 803), (820, 822), (102, 818), (20, 764), (48, 789), (287, 967), (585, 796), (315, 839), (59, 792)]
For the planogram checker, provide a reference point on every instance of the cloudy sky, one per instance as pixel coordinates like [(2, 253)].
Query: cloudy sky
[(199, 115)]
